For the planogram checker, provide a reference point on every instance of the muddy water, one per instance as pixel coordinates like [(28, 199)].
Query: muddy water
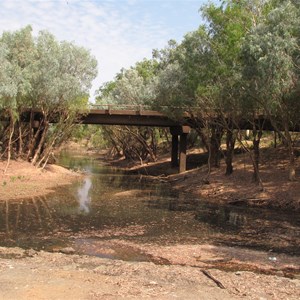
[(108, 206)]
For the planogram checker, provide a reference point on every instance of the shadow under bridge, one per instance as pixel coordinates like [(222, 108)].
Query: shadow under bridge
[(139, 116)]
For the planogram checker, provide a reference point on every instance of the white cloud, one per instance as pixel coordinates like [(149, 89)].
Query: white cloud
[(114, 32)]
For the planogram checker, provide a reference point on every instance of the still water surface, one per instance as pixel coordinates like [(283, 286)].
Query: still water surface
[(109, 205)]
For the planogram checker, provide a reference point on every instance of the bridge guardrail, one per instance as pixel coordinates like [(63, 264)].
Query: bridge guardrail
[(120, 107)]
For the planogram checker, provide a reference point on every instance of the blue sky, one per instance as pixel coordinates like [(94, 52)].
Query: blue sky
[(118, 32)]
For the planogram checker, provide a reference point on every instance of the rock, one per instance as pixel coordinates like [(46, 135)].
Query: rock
[(67, 250)]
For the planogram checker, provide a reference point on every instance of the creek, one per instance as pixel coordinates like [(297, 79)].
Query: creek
[(108, 206)]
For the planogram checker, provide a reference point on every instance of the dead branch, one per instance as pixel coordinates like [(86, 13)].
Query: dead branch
[(216, 281)]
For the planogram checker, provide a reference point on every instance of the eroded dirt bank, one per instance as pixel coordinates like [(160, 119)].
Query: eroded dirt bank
[(238, 188), (41, 275), (22, 180)]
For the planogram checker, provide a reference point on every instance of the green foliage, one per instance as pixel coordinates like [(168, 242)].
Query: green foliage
[(270, 53), (63, 74), (243, 60), (46, 75)]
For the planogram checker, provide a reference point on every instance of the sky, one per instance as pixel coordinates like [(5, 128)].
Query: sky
[(117, 32)]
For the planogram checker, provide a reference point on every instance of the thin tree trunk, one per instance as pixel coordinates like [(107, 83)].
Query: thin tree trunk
[(292, 167), (114, 144), (7, 216), (143, 143), (256, 141), (275, 139), (260, 183), (46, 154), (11, 129), (20, 144), (32, 141), (289, 143), (41, 144), (215, 143), (230, 142)]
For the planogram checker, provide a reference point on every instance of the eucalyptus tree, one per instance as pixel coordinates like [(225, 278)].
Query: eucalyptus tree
[(228, 24), (8, 92), (17, 52), (201, 75), (63, 73), (45, 75), (131, 88), (271, 56)]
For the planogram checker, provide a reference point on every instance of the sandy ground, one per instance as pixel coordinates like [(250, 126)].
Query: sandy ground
[(238, 188), (23, 180), (43, 275)]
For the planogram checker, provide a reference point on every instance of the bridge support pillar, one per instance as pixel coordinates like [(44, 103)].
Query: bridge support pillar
[(180, 161), (182, 152), (174, 153)]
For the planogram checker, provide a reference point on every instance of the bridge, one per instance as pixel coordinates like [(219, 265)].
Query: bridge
[(131, 115), (139, 116)]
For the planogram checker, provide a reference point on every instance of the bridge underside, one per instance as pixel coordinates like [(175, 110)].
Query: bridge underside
[(128, 117), (146, 118), (154, 119)]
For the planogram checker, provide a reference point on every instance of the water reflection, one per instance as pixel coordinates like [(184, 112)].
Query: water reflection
[(83, 195), (108, 205)]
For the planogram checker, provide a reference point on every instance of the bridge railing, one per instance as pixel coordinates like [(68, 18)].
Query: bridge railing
[(120, 107), (143, 108), (163, 108)]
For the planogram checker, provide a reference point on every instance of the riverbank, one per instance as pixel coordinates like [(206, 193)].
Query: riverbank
[(238, 188), (169, 270), (22, 180), (42, 275)]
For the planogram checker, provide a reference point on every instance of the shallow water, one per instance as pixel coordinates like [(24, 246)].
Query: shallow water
[(109, 205)]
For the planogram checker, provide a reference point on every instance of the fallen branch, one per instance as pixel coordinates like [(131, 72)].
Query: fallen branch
[(216, 281)]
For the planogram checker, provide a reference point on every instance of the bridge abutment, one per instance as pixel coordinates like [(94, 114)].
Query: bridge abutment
[(179, 146)]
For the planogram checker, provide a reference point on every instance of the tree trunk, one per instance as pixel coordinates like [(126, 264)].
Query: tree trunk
[(230, 142), (46, 155), (275, 139), (292, 167), (144, 144), (41, 144), (260, 183), (33, 139), (215, 143), (256, 141), (204, 138), (11, 133), (114, 144), (20, 142), (289, 144)]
